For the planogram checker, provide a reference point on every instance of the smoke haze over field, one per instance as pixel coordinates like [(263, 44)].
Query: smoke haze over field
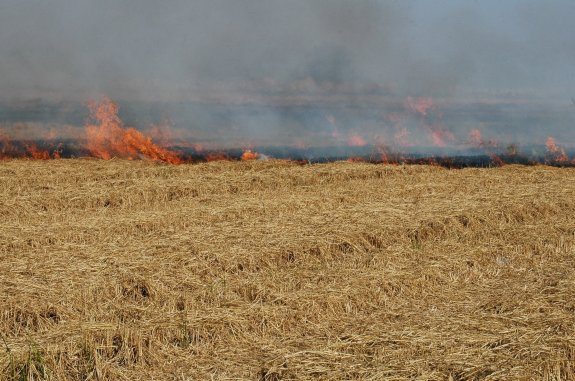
[(301, 62), (411, 47)]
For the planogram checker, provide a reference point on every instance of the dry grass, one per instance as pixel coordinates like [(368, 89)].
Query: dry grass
[(275, 271)]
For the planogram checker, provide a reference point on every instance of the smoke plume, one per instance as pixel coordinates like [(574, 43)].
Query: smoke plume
[(278, 72)]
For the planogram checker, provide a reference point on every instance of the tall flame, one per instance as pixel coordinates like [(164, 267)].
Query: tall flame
[(107, 137)]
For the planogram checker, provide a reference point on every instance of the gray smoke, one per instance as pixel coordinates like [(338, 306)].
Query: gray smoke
[(282, 53), (149, 46)]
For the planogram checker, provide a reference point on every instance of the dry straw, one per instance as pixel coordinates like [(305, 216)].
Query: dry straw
[(131, 270)]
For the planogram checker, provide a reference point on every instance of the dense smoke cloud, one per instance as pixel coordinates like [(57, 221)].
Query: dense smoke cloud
[(68, 48), (148, 45), (298, 64)]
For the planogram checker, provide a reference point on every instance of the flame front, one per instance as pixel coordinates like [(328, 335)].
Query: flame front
[(416, 122), (107, 137)]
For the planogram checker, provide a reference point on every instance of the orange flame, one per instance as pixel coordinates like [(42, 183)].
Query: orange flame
[(37, 153), (558, 153), (250, 155), (108, 138)]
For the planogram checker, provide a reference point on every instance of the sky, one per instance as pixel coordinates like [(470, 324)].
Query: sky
[(179, 48)]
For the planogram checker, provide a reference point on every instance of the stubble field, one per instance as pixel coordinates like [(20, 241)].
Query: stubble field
[(272, 271)]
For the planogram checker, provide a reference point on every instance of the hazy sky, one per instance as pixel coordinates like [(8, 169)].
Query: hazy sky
[(421, 47)]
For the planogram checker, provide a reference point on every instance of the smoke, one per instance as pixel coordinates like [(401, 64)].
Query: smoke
[(293, 63), (147, 46)]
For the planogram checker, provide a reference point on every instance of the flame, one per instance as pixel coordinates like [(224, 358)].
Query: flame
[(249, 155), (37, 153), (12, 149), (475, 138), (107, 137), (420, 105), (418, 123), (557, 153), (383, 154), (440, 136)]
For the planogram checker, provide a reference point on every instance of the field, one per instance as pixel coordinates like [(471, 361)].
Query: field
[(274, 271)]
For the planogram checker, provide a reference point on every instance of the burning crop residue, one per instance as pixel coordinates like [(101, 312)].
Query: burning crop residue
[(10, 148), (249, 155), (555, 152), (410, 131), (107, 137)]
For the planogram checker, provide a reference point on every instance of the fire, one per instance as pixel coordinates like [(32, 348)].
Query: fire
[(250, 155), (418, 123), (37, 153), (440, 136), (420, 105), (475, 138), (557, 153), (383, 154), (12, 149), (107, 137)]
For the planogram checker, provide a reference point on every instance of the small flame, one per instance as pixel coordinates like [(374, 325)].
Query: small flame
[(440, 136), (475, 138), (557, 153), (249, 155), (420, 105)]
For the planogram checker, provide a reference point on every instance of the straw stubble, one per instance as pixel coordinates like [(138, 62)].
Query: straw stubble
[(279, 271)]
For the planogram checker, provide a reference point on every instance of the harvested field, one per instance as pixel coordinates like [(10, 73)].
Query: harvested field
[(277, 271)]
